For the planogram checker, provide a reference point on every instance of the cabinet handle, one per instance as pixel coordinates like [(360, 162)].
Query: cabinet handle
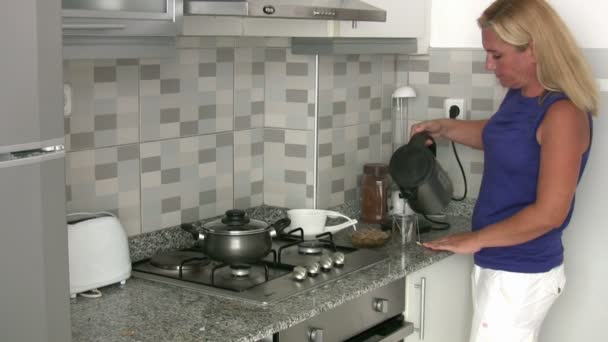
[(315, 335), (93, 26), (422, 287)]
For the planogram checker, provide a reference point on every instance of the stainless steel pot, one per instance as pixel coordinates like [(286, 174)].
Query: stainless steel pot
[(422, 181), (236, 239)]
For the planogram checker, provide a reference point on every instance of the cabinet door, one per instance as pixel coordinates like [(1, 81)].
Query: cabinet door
[(120, 18), (438, 300), (404, 19)]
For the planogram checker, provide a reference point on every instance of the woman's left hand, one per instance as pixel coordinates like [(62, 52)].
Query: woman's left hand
[(462, 243)]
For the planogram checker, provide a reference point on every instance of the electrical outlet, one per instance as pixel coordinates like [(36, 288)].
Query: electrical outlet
[(454, 108), (67, 99)]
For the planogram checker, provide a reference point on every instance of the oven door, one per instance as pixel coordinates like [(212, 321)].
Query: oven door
[(374, 316)]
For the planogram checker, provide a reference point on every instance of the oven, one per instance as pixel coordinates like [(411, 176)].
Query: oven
[(375, 316)]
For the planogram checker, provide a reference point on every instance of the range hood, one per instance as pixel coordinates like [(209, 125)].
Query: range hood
[(287, 9)]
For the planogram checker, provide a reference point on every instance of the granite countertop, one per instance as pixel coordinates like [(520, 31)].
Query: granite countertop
[(147, 311)]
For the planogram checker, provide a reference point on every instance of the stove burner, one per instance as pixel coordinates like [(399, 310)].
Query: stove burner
[(173, 260), (310, 247), (240, 271)]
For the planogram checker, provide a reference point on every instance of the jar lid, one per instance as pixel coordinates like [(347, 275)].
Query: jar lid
[(379, 170)]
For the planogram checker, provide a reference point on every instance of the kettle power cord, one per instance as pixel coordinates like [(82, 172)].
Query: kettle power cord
[(464, 177)]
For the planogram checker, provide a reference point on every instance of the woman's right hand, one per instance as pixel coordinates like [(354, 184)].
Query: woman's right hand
[(434, 127)]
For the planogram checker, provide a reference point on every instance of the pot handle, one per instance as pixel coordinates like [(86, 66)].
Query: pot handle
[(335, 228), (280, 225), (420, 139), (190, 229)]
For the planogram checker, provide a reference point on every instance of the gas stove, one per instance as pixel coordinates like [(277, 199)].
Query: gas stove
[(294, 265)]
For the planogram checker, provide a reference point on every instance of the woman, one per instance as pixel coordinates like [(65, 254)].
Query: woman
[(535, 149)]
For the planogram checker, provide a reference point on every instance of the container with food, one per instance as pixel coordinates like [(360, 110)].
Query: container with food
[(369, 238)]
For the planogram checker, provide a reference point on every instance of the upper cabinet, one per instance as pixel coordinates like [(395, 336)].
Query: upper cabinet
[(119, 28), (404, 19)]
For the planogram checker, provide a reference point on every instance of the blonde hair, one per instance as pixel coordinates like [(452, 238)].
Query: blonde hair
[(560, 64)]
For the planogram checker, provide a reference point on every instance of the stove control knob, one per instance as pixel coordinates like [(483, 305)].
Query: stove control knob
[(326, 263), (299, 273), (313, 269), (315, 335), (338, 259)]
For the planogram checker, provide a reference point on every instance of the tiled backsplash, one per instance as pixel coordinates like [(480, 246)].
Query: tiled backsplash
[(229, 123)]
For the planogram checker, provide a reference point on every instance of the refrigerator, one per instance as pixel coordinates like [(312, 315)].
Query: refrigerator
[(34, 283)]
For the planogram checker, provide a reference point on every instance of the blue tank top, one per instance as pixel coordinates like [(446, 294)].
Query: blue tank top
[(510, 176)]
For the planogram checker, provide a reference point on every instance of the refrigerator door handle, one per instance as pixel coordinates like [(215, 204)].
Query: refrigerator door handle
[(31, 156)]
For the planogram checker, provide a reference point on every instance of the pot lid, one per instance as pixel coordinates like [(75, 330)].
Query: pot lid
[(235, 222)]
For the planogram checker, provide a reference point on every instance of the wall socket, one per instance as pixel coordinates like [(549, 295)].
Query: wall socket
[(456, 106)]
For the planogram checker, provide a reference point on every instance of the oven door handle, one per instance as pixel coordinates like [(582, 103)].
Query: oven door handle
[(400, 334)]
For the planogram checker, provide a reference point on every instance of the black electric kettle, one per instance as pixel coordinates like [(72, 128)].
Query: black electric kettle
[(421, 179)]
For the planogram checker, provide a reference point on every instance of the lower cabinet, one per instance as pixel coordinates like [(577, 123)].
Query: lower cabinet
[(438, 300)]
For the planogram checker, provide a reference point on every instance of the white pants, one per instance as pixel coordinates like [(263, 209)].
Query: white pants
[(510, 307)]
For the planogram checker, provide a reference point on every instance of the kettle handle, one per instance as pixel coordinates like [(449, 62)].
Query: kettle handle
[(420, 139)]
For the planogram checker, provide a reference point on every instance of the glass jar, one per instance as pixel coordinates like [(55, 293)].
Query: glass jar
[(374, 191)]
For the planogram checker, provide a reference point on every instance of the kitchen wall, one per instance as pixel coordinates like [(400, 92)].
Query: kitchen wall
[(227, 123)]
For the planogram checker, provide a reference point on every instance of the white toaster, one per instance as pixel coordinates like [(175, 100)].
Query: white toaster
[(98, 252)]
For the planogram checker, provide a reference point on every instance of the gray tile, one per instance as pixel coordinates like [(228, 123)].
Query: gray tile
[(242, 122), (295, 177), (339, 107), (257, 187), (106, 171), (207, 197), (224, 139), (480, 68), (439, 78), (297, 69), (150, 164), (128, 152), (150, 72), (365, 67), (337, 185), (207, 69), (170, 204), (325, 122), (296, 95), (257, 68), (365, 92), (482, 104), (338, 160), (104, 74), (170, 176), (275, 136), (417, 65), (374, 128), (82, 140), (275, 55), (376, 103), (169, 115), (436, 101), (293, 150), (169, 86), (206, 112), (339, 69), (207, 156), (105, 122), (189, 215), (325, 150), (309, 191), (257, 107), (225, 55), (257, 149), (362, 143)]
